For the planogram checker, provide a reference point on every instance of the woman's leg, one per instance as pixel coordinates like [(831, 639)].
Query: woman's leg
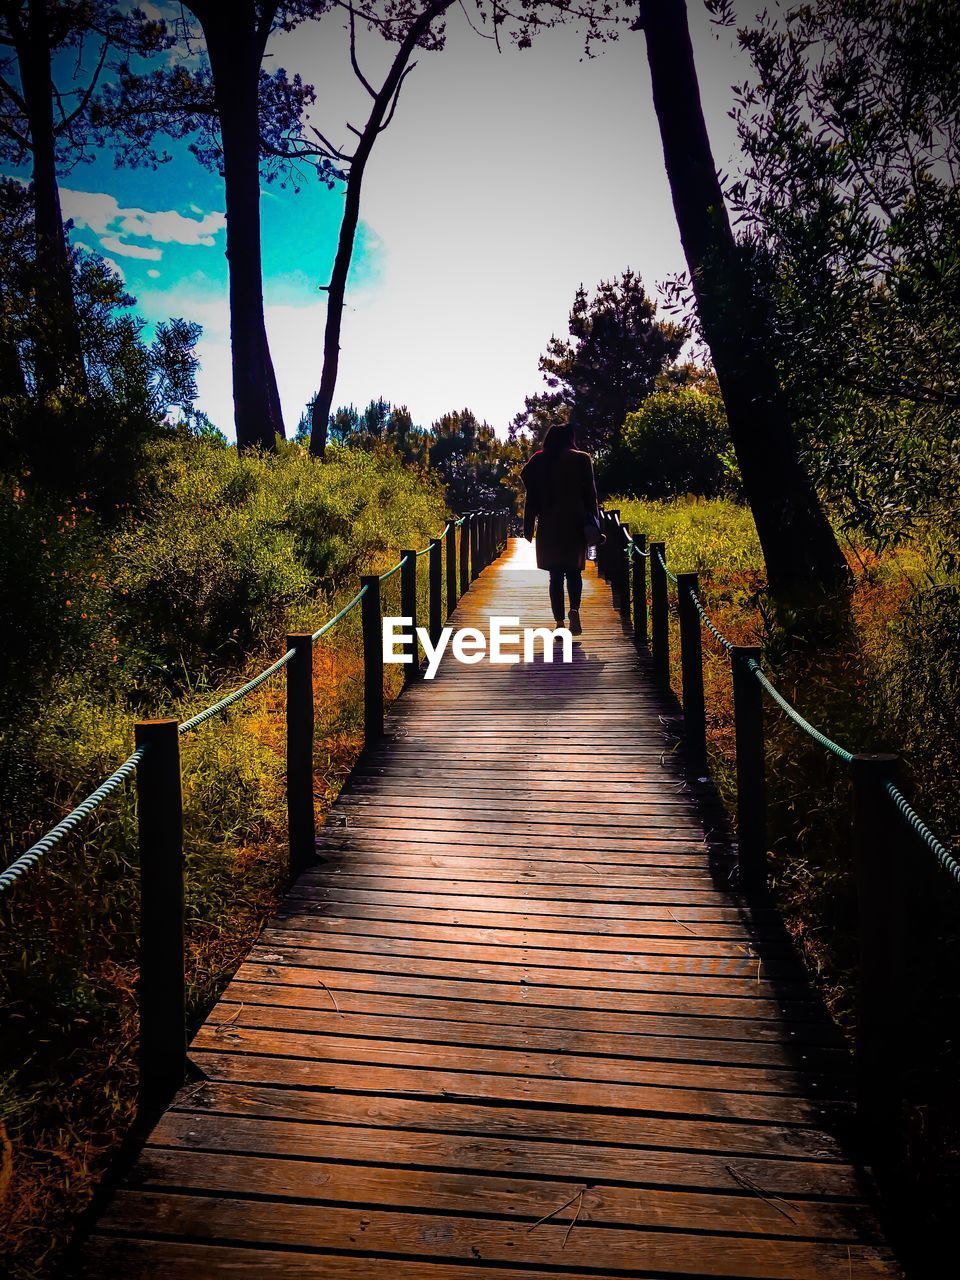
[(575, 587), (556, 595)]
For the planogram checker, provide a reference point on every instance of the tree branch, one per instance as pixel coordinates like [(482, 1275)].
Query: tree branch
[(396, 98), (353, 54), (88, 92)]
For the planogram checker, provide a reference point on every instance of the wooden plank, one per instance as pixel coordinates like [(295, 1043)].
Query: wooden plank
[(745, 986), (507, 1196), (625, 1048), (256, 1031), (454, 1114), (515, 1154), (455, 1238)]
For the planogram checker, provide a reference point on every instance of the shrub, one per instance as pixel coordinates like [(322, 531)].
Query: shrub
[(677, 443)]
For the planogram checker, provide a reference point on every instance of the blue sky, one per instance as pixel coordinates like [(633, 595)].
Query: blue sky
[(504, 181)]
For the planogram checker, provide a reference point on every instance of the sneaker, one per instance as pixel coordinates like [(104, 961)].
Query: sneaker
[(575, 627)]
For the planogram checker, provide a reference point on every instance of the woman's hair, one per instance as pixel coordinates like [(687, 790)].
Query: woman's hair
[(559, 437)]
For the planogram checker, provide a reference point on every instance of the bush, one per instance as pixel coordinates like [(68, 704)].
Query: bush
[(677, 443)]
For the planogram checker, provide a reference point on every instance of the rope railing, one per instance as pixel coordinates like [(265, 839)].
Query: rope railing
[(877, 854), (920, 829), (34, 855), (156, 765), (913, 820), (203, 716), (793, 714)]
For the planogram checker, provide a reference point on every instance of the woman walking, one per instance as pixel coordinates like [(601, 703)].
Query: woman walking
[(561, 502)]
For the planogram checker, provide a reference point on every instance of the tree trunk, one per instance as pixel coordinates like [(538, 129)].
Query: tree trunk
[(800, 550), (322, 405), (59, 361), (236, 50)]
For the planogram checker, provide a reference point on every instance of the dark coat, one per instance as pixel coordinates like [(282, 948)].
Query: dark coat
[(561, 494)]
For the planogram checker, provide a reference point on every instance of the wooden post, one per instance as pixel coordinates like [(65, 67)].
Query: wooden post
[(301, 828), (475, 565), (881, 1024), (603, 549), (408, 609), (691, 667), (372, 630), (640, 589), (436, 589), (751, 771), (659, 621), (623, 571), (612, 563), (465, 555), (451, 565), (162, 988)]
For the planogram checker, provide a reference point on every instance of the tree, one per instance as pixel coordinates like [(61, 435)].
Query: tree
[(49, 75), (242, 122), (477, 468), (416, 24), (87, 441), (608, 366), (848, 125), (381, 113), (800, 550), (677, 443)]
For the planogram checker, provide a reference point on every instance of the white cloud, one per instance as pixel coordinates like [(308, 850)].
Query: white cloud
[(115, 245), (153, 273), (102, 214)]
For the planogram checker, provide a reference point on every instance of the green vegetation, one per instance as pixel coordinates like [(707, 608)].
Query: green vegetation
[(677, 443), (160, 609)]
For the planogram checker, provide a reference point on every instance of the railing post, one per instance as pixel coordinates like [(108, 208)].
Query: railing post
[(475, 565), (881, 1030), (300, 812), (451, 565), (623, 571), (612, 565), (465, 555), (603, 546), (372, 631), (751, 771), (640, 589), (162, 989), (408, 609), (659, 620), (436, 589), (691, 671)]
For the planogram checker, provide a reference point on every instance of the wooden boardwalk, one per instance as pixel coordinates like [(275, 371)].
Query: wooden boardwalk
[(512, 1025)]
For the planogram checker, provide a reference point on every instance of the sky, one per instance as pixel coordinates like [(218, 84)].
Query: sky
[(504, 181)]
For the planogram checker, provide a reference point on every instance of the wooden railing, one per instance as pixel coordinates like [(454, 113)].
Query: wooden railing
[(881, 819), (162, 992)]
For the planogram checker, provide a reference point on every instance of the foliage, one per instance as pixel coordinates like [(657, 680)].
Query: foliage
[(87, 41), (86, 439), (140, 106), (607, 367), (677, 443), (126, 619), (476, 467), (849, 128)]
